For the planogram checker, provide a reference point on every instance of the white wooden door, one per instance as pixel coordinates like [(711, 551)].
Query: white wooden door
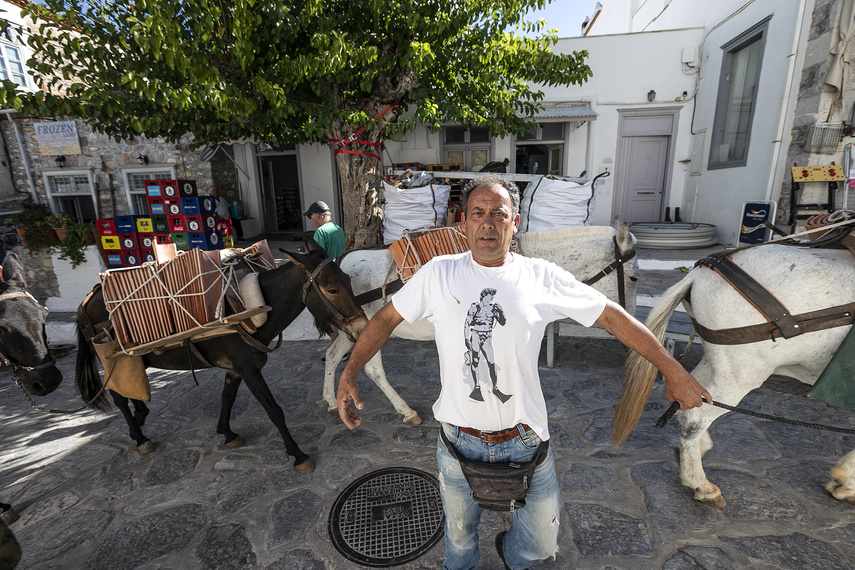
[(648, 157)]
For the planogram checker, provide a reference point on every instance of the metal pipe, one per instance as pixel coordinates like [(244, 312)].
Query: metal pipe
[(23, 154)]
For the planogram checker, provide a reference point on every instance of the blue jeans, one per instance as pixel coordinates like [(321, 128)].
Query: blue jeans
[(534, 530)]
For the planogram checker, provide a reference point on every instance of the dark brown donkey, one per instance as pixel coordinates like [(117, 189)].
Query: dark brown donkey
[(310, 280)]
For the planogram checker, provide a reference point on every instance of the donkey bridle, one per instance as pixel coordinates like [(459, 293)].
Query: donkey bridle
[(14, 366), (311, 282)]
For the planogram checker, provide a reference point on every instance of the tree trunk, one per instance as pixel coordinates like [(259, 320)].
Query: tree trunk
[(362, 214)]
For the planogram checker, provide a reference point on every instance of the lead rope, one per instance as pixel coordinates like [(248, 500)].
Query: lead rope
[(676, 406)]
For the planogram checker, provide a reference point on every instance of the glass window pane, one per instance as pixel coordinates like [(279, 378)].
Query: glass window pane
[(454, 156), (552, 131), (478, 159), (479, 134), (455, 134), (529, 136), (737, 99)]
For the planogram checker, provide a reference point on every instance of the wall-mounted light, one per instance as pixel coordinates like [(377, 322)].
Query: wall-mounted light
[(651, 95), (60, 160), (142, 158)]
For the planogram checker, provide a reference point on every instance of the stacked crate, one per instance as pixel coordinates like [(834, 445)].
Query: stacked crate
[(455, 183), (177, 214)]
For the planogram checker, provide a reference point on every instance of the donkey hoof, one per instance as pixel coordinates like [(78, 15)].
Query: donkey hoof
[(305, 467), (8, 515), (717, 502), (413, 420), (333, 410), (236, 442), (147, 447)]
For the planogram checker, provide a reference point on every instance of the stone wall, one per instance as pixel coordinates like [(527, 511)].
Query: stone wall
[(42, 282), (817, 103), (105, 157)]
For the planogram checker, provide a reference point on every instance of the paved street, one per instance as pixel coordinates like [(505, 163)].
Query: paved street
[(88, 499)]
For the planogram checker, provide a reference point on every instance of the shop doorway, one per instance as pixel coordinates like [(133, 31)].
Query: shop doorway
[(280, 187)]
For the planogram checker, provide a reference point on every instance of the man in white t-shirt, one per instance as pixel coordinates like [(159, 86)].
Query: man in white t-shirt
[(466, 296)]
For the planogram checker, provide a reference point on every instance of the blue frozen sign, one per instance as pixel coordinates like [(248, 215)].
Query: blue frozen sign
[(57, 137)]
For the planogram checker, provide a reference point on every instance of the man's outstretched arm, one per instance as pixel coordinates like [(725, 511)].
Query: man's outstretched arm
[(371, 339), (679, 385)]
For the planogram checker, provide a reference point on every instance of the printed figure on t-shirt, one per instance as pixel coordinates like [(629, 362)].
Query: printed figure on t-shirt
[(478, 333)]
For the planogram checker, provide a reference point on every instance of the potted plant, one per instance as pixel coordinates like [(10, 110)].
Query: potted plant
[(72, 246), (34, 226), (60, 223)]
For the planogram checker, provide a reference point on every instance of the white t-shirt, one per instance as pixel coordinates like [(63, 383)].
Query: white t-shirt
[(491, 320)]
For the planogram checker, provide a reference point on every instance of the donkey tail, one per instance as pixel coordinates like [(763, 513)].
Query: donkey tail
[(640, 373), (87, 378)]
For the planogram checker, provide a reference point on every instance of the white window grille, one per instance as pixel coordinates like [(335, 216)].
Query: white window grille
[(135, 186), (72, 192)]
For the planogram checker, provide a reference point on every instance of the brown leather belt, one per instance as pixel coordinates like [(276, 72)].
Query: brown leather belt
[(494, 436)]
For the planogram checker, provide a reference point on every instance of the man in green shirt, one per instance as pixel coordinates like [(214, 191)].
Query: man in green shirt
[(328, 235)]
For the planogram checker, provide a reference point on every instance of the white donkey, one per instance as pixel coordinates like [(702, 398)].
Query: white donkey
[(584, 251), (803, 280)]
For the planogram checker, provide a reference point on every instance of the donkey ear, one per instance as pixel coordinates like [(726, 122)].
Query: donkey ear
[(13, 272), (625, 239), (312, 245), (300, 259)]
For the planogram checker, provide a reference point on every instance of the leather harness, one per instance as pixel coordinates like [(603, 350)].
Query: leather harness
[(781, 322)]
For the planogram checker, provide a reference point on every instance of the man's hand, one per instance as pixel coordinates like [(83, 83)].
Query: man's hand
[(347, 392), (682, 387)]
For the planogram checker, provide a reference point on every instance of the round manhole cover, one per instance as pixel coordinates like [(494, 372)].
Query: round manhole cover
[(387, 517)]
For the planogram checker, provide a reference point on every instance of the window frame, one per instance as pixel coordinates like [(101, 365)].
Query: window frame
[(552, 145), (12, 39), (467, 146), (129, 193), (757, 33), (47, 175)]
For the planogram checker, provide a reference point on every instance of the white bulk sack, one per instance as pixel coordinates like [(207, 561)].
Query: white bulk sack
[(411, 208), (553, 204)]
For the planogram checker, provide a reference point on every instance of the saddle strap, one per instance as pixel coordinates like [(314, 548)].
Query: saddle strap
[(89, 329), (620, 259), (753, 292), (379, 293), (838, 316), (255, 343)]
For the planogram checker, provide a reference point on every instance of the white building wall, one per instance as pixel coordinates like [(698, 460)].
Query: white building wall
[(318, 180), (622, 77)]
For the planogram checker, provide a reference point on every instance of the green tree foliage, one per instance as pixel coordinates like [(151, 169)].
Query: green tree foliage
[(279, 71)]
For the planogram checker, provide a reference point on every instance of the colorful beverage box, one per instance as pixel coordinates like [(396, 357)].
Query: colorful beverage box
[(203, 223), (162, 239), (170, 188), (128, 241), (144, 225), (111, 242), (198, 205), (153, 188), (113, 258), (106, 227), (126, 224), (131, 257), (173, 206), (187, 188), (180, 240), (177, 224), (160, 224), (205, 240), (147, 255), (146, 240), (228, 241), (156, 206)]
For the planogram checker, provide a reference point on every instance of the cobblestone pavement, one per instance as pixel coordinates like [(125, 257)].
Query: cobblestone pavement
[(88, 499)]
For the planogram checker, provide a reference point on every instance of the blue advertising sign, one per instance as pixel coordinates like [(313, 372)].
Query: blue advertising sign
[(754, 217)]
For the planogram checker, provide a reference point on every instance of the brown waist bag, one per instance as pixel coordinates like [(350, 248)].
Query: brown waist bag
[(498, 486)]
